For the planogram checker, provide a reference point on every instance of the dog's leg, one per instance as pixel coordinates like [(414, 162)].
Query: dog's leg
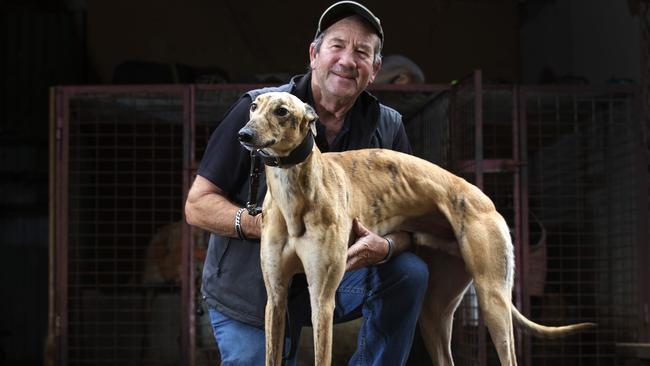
[(278, 265), (324, 270), (495, 307), (322, 295), (487, 250), (448, 280), (277, 283)]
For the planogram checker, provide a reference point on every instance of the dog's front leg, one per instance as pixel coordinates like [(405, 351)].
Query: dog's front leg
[(322, 291), (324, 270), (279, 263), (276, 279), (274, 323)]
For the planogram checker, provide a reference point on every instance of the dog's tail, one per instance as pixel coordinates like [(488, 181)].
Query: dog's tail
[(543, 331)]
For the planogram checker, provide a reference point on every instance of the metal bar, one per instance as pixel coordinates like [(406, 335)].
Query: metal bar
[(187, 272), (608, 89), (176, 88), (409, 87), (157, 88), (453, 126), (489, 165), (524, 215), (51, 354), (478, 128), (643, 189), (62, 157), (478, 156), (189, 169), (519, 270)]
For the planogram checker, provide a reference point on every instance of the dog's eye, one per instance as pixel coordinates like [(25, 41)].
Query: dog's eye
[(253, 107), (281, 112)]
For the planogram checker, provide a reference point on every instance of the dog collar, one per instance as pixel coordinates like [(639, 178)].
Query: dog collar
[(296, 156)]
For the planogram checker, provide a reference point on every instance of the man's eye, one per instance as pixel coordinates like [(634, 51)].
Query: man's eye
[(281, 112), (363, 53), (253, 107)]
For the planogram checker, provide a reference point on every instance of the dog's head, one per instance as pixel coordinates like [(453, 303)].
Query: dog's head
[(278, 123)]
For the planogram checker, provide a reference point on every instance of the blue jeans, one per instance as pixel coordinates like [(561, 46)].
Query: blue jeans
[(388, 296)]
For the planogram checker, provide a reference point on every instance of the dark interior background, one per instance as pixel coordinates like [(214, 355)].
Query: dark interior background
[(68, 42)]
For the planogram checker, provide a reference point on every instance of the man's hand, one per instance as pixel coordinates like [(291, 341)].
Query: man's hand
[(369, 248), (208, 208), (252, 225)]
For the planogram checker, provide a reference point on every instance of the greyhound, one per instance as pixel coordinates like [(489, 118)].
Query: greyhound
[(308, 213)]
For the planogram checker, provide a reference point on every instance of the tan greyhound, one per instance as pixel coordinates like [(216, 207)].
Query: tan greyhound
[(308, 213)]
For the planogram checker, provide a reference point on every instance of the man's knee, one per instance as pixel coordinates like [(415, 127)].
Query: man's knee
[(414, 272), (238, 343)]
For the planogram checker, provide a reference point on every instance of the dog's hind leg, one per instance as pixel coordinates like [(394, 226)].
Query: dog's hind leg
[(487, 250), (448, 281), (495, 307)]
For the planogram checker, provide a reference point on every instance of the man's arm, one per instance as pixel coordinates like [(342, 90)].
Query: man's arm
[(208, 208), (222, 171), (370, 248)]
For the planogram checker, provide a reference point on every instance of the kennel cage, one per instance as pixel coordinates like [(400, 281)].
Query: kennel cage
[(449, 131), (125, 270), (567, 167)]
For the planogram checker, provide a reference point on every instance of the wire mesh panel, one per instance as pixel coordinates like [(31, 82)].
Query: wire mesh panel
[(128, 275), (124, 199), (468, 341), (131, 152), (429, 130), (583, 152)]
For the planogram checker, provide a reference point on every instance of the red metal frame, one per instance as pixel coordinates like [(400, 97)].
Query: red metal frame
[(521, 216), (188, 341), (61, 210), (642, 246), (61, 143)]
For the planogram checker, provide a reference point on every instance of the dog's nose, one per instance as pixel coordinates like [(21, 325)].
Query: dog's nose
[(245, 135)]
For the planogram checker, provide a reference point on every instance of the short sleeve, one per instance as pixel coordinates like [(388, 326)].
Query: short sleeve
[(225, 162)]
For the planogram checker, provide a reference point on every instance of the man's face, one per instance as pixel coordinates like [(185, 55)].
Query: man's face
[(344, 66)]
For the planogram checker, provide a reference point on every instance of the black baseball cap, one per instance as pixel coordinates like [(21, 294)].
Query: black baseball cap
[(342, 9)]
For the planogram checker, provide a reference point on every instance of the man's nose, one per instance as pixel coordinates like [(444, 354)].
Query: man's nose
[(347, 59)]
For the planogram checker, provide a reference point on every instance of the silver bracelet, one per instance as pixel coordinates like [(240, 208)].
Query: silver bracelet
[(391, 245), (238, 227)]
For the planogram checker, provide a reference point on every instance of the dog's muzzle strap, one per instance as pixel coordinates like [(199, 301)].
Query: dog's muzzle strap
[(296, 156), (251, 205)]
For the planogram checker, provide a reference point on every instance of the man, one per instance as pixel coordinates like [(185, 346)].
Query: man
[(384, 282)]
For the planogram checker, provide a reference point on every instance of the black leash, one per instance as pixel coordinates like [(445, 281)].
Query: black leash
[(251, 205)]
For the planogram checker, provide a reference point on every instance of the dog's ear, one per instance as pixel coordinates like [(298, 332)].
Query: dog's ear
[(312, 117)]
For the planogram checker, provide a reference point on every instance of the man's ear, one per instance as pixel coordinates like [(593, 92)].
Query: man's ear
[(376, 66), (312, 55), (311, 117)]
